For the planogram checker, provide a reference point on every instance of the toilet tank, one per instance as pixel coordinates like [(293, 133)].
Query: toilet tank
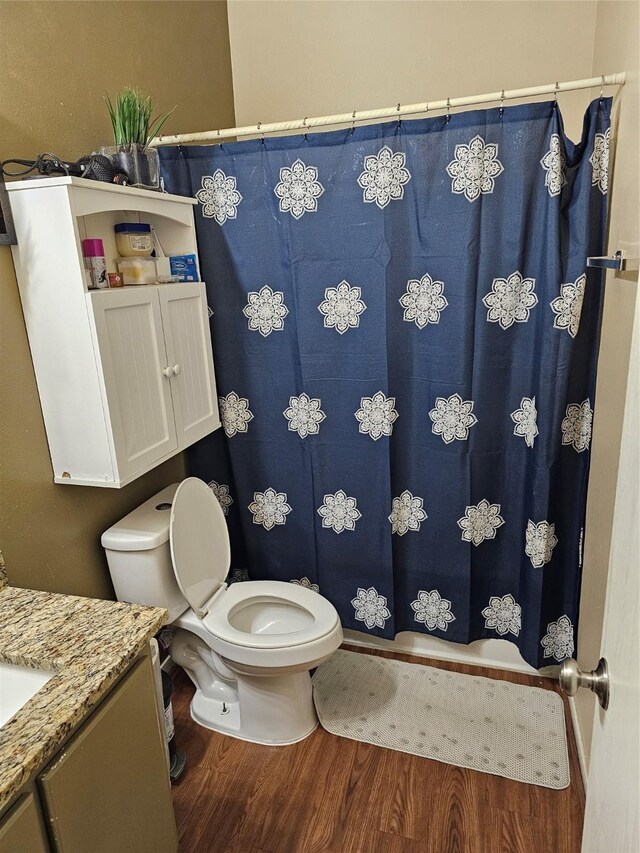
[(139, 556)]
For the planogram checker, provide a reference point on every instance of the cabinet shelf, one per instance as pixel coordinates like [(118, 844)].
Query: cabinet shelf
[(133, 195), (113, 405)]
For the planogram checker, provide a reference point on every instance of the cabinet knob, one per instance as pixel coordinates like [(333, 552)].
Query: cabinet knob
[(168, 372), (177, 370)]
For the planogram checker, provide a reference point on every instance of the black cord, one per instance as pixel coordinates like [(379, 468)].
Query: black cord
[(46, 164), (30, 164)]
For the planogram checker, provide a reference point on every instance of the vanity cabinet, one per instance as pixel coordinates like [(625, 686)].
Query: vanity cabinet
[(21, 829), (107, 789), (125, 375)]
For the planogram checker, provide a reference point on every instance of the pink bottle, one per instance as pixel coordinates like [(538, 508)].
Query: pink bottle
[(95, 264)]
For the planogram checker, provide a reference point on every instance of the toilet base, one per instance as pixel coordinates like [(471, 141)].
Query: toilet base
[(209, 714), (272, 709)]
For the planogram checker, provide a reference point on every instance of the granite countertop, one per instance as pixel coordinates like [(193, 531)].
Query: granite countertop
[(87, 642)]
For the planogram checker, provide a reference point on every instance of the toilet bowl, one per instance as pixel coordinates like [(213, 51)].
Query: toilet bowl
[(248, 648)]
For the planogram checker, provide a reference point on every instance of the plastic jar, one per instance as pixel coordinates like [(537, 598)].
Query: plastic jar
[(133, 239)]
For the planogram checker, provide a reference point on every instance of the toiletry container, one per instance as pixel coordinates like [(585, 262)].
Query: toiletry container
[(137, 270), (95, 264), (134, 239)]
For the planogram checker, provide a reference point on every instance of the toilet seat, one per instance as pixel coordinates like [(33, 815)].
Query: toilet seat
[(199, 540), (229, 621), (267, 623)]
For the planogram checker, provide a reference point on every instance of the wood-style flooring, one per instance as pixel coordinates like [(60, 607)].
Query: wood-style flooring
[(332, 794)]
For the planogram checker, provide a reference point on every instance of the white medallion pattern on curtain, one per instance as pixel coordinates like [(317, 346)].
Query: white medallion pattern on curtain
[(342, 307), (219, 197), (222, 494), (306, 583), (576, 425), (474, 169), (234, 414), (480, 522), (558, 641), (384, 177), (339, 512), (238, 576), (568, 306), (432, 610), (371, 608), (423, 301), (299, 189), (540, 540), (510, 300), (265, 311), (376, 415), (407, 513), (503, 615), (269, 508), (526, 420), (553, 164), (452, 418), (600, 161), (304, 415)]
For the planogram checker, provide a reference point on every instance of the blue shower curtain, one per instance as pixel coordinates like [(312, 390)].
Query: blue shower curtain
[(405, 336)]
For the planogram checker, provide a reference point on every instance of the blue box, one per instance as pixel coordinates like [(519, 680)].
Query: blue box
[(185, 267)]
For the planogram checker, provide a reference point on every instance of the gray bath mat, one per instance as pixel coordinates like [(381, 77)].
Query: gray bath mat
[(480, 723)]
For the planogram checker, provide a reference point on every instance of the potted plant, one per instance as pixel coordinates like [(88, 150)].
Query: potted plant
[(134, 126)]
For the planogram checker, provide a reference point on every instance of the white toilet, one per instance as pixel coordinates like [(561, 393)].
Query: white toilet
[(248, 648)]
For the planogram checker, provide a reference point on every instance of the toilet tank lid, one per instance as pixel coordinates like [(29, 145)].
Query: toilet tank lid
[(145, 528)]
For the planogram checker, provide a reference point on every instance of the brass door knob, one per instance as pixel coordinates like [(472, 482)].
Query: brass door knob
[(572, 678)]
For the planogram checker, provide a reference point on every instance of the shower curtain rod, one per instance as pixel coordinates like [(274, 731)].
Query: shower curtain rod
[(307, 124)]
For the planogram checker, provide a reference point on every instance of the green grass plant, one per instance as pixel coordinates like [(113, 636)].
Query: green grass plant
[(132, 118)]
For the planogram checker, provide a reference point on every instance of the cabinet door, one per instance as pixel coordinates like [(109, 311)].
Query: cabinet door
[(20, 830), (109, 789), (133, 359), (186, 330)]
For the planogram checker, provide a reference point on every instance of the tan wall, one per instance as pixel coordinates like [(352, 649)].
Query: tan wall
[(616, 44), (296, 59), (56, 62)]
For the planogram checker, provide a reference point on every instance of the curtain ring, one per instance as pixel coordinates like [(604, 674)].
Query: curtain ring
[(601, 87), (448, 109), (353, 123), (220, 143), (502, 103), (555, 94), (304, 122), (258, 126), (398, 111)]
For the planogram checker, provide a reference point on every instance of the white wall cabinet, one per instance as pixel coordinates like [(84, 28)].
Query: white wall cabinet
[(185, 319), (134, 369), (125, 375)]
